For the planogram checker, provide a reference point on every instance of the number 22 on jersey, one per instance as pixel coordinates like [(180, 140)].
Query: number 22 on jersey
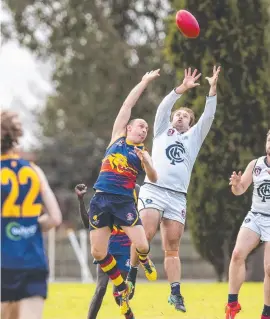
[(26, 207)]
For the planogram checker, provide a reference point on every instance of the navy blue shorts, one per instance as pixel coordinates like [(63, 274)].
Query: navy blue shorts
[(110, 209), (21, 284)]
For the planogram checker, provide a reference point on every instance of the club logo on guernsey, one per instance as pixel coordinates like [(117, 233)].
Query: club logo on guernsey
[(264, 190), (257, 170), (15, 231), (174, 152)]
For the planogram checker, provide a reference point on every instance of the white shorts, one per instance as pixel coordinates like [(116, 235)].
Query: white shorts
[(172, 205), (258, 223)]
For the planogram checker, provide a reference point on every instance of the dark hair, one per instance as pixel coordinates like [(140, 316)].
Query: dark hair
[(11, 130)]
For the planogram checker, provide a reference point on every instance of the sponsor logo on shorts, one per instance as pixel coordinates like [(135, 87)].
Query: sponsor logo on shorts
[(264, 190), (95, 220), (130, 217), (148, 201), (127, 263), (170, 132), (15, 231), (257, 170), (247, 220), (174, 152), (183, 213)]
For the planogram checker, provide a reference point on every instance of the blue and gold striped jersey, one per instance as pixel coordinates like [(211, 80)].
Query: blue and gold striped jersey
[(21, 205)]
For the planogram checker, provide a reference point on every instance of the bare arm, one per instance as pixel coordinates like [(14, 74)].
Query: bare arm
[(53, 216), (240, 183), (147, 164), (123, 117), (80, 190)]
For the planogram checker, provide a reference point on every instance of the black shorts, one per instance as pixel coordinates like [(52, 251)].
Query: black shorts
[(110, 209), (20, 284)]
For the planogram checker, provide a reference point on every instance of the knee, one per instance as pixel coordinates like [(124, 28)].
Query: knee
[(171, 245), (238, 256), (267, 269), (143, 248), (171, 254), (98, 254)]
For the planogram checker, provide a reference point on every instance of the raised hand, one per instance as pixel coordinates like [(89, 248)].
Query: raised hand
[(214, 78), (80, 190), (235, 179), (150, 76), (190, 79)]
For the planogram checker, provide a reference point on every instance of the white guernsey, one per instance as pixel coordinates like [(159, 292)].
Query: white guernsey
[(261, 189), (175, 148), (174, 153)]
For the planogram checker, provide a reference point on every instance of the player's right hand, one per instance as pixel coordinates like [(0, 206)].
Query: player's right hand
[(235, 179), (80, 190), (150, 76)]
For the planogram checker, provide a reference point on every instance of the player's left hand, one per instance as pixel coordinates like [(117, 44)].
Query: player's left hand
[(143, 155), (80, 190), (213, 80)]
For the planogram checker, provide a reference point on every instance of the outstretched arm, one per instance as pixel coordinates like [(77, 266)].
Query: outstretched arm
[(240, 183), (80, 190), (162, 119), (124, 114), (203, 126)]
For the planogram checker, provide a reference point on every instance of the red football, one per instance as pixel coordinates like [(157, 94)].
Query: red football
[(187, 24)]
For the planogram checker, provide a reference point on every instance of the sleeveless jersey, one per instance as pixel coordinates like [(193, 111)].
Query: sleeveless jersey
[(119, 242), (21, 205), (120, 168), (261, 187)]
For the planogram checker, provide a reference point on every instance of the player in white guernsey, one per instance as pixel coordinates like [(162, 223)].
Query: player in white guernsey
[(176, 145), (255, 228)]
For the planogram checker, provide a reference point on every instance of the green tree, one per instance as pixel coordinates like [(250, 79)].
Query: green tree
[(233, 35), (100, 50)]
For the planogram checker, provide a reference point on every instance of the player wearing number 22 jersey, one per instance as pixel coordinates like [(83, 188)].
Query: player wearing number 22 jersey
[(24, 190)]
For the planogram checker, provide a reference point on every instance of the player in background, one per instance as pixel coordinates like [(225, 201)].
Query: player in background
[(113, 202), (255, 228), (24, 192), (119, 247), (176, 144)]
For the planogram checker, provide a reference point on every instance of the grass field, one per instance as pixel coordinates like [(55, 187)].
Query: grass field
[(203, 301)]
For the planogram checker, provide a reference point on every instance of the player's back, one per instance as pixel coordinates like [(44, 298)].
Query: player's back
[(21, 205)]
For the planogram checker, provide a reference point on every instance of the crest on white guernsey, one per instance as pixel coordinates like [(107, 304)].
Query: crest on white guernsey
[(261, 190), (173, 153)]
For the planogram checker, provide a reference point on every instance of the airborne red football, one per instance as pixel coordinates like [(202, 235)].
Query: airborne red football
[(187, 24)]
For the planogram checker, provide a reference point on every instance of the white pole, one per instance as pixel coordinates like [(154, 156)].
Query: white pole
[(85, 272), (83, 241), (51, 254)]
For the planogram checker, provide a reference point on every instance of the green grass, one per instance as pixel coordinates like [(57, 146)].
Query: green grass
[(203, 301)]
